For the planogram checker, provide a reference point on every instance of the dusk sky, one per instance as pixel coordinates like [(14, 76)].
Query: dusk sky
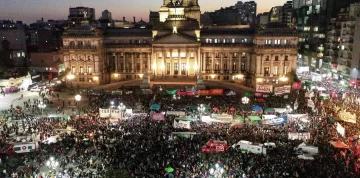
[(29, 11)]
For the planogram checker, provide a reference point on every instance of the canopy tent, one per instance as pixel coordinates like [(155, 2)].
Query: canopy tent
[(261, 100), (186, 118), (239, 119), (269, 110), (155, 107), (171, 92), (255, 118), (339, 144), (248, 94), (193, 107), (256, 108)]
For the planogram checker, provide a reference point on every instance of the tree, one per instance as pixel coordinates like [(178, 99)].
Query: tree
[(292, 76)]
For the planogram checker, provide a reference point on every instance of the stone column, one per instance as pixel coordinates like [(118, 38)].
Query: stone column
[(222, 62), (171, 62), (281, 66), (141, 62), (132, 62), (240, 62), (116, 62), (258, 65), (148, 62), (124, 56), (231, 62), (271, 65), (188, 68), (248, 62), (212, 62)]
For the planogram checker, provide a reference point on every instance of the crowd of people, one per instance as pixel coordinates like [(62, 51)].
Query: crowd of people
[(89, 146)]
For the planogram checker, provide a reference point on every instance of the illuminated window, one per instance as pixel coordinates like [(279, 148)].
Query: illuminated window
[(89, 70), (191, 55), (183, 54), (23, 54), (18, 54), (275, 70), (73, 69), (215, 41), (233, 40), (285, 41)]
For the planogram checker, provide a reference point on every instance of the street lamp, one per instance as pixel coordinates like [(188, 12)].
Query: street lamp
[(52, 164), (122, 108), (201, 109), (42, 106), (78, 99), (112, 103), (245, 100)]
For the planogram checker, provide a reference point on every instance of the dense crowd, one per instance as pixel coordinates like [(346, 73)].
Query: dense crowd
[(140, 147)]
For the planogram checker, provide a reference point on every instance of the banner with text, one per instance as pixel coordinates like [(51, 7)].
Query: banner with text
[(182, 124), (176, 113), (212, 92), (299, 136), (264, 88), (282, 90), (115, 113), (104, 113), (157, 116)]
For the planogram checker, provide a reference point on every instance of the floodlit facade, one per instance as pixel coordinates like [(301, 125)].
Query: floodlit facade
[(177, 48)]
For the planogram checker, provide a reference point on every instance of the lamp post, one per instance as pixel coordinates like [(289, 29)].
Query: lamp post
[(52, 164), (78, 99), (201, 109), (245, 100), (42, 106), (217, 172), (122, 108)]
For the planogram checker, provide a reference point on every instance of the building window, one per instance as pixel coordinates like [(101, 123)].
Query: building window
[(276, 58), (224, 40), (73, 69), (266, 71), (80, 43), (286, 58), (137, 66), (46, 68), (233, 40), (81, 79), (50, 68), (168, 67), (23, 54), (176, 68), (217, 67), (183, 54), (225, 66), (285, 41), (160, 55), (18, 54), (243, 66), (235, 54), (191, 55), (245, 40), (81, 69), (215, 41), (267, 58), (277, 42), (175, 54), (168, 55), (285, 69), (268, 42), (10, 56), (275, 70), (316, 28), (183, 68), (89, 70)]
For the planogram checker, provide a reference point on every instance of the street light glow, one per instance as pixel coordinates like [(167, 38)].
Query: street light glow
[(77, 97)]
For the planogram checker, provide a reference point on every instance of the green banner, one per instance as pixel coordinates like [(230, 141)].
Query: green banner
[(171, 92)]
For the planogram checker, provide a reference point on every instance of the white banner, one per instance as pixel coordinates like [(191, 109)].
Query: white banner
[(182, 124), (176, 113), (115, 113), (128, 111), (340, 129), (264, 88), (104, 113), (282, 90), (299, 136), (222, 116)]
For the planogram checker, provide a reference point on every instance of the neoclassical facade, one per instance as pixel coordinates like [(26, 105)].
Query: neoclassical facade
[(178, 48)]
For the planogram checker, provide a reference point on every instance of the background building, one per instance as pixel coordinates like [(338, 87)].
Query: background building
[(77, 15), (106, 15)]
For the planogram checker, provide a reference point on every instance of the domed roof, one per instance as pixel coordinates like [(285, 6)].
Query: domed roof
[(275, 25)]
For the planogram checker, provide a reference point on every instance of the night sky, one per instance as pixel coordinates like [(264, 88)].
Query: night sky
[(29, 11)]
